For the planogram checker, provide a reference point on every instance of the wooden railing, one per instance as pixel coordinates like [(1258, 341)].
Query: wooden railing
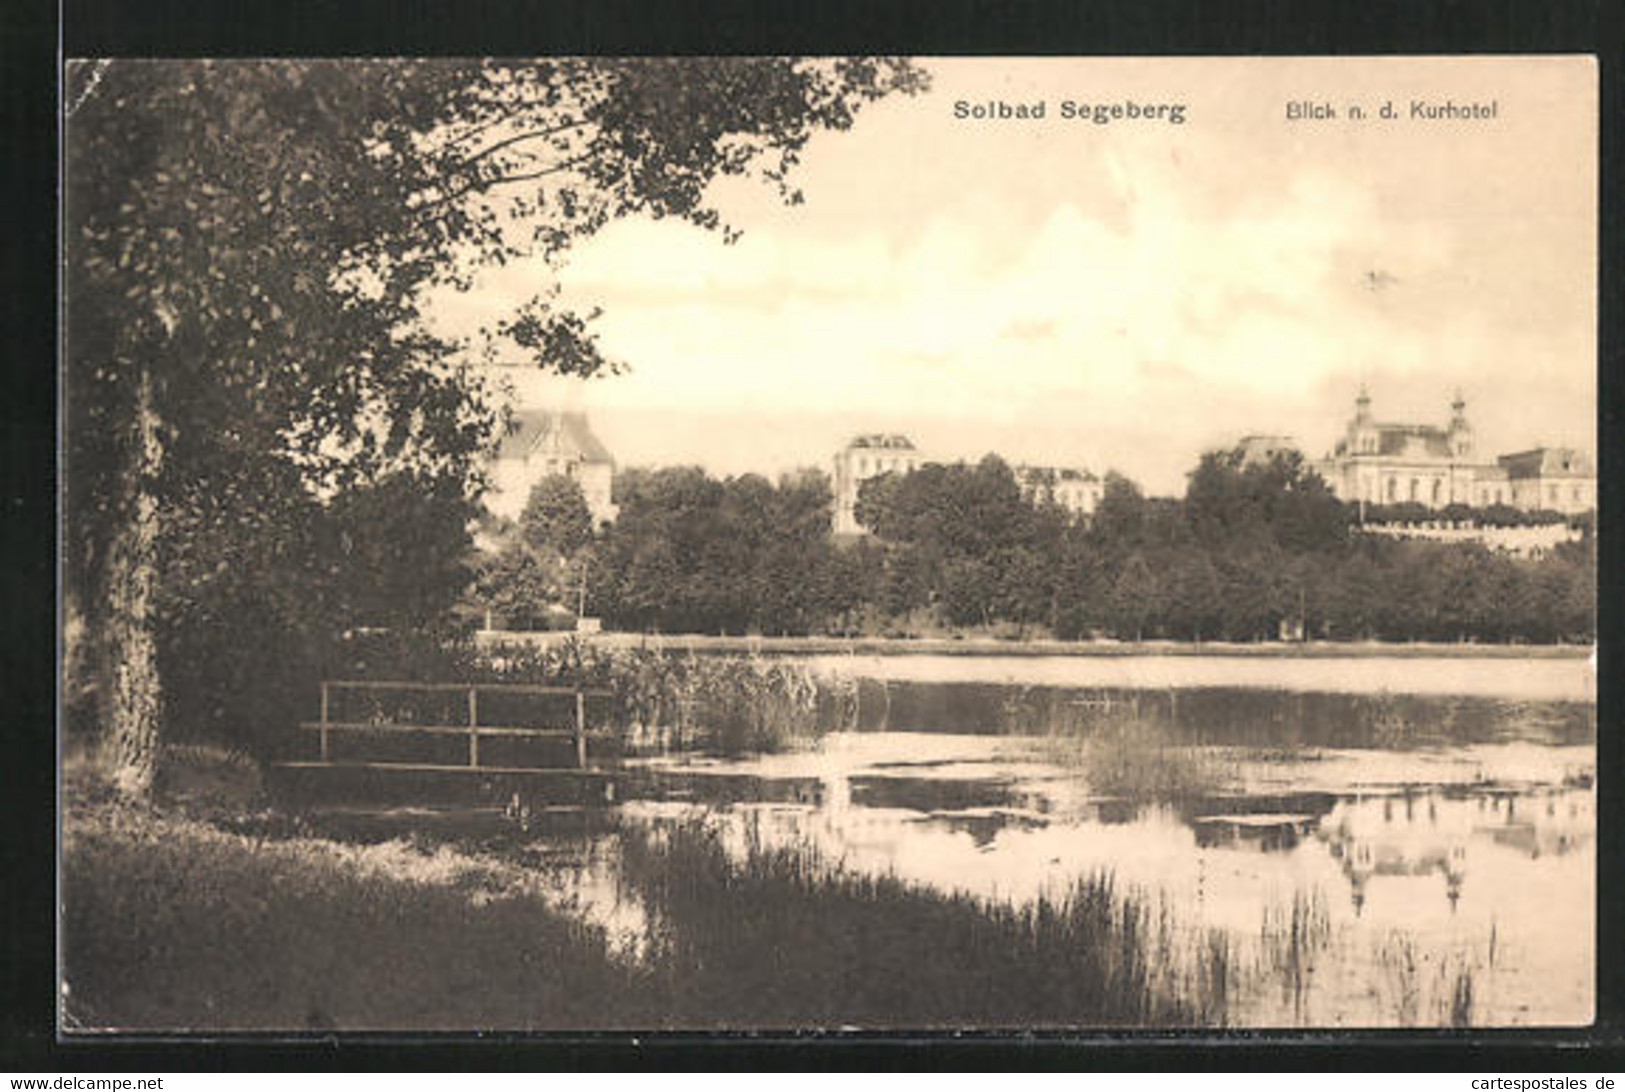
[(324, 725)]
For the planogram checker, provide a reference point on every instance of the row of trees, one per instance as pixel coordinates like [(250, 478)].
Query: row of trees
[(1253, 549), (687, 553)]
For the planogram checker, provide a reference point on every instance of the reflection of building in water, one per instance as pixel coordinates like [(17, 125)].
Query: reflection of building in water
[(1539, 826), (1403, 836), (1269, 833), (984, 826), (938, 794), (1421, 834), (1266, 823)]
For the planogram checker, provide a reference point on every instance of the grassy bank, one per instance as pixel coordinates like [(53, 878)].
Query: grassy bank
[(172, 924), (176, 920)]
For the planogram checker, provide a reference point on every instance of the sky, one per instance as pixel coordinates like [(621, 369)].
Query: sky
[(1113, 296)]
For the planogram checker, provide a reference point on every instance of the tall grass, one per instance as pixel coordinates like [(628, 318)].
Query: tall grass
[(1291, 940), (1142, 761), (171, 925), (659, 700), (782, 937), (729, 704)]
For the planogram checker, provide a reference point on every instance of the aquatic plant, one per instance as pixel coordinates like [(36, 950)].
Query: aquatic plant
[(1291, 940), (1397, 958), (783, 937), (1140, 760), (658, 700), (1461, 998)]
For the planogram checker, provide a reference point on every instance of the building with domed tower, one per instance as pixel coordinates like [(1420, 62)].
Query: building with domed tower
[(1437, 466)]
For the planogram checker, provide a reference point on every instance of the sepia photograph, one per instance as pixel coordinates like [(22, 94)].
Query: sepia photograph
[(828, 544)]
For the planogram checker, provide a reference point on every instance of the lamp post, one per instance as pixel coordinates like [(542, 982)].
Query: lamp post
[(581, 598)]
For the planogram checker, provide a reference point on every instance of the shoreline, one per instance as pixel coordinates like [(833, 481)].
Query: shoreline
[(990, 646)]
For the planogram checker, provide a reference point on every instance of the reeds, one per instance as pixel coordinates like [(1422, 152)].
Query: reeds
[(1449, 994), (1140, 760), (784, 938), (659, 700), (1291, 940)]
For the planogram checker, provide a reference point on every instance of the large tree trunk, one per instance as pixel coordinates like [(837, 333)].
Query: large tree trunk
[(132, 695)]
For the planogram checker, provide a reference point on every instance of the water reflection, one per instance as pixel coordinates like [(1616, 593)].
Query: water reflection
[(1041, 698), (1480, 858), (1524, 678), (1371, 858)]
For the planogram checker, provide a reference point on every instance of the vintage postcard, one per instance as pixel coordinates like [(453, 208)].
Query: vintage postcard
[(763, 543)]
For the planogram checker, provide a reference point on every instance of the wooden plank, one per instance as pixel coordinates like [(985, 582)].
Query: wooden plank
[(581, 731), (425, 767), (508, 688), (324, 723), (448, 729)]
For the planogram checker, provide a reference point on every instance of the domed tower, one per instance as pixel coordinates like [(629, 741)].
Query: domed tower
[(1461, 433), (1361, 438)]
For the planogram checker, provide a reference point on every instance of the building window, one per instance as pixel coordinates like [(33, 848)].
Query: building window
[(1393, 490), (1438, 489), (1416, 489)]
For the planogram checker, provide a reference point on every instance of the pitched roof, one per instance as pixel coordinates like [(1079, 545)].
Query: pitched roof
[(1258, 449), (1396, 439), (531, 428), (1037, 475), (1548, 462), (893, 441)]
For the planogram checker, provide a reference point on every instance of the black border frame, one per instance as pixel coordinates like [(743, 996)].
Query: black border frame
[(35, 37)]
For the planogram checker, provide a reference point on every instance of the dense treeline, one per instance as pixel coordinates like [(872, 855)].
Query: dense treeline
[(1253, 551), (689, 553)]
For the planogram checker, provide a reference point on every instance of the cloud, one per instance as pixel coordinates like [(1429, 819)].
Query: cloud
[(1081, 313), (1124, 294)]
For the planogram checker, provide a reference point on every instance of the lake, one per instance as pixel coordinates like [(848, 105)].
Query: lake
[(1371, 842)]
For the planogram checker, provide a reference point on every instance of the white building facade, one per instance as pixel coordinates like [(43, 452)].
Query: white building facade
[(868, 456), (873, 454), (1384, 463), (543, 443), (1077, 491)]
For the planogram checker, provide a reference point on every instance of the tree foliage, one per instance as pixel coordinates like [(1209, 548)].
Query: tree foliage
[(958, 548), (689, 553), (249, 244), (556, 520)]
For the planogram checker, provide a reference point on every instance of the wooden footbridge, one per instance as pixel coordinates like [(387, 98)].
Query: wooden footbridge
[(462, 742), (487, 745)]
